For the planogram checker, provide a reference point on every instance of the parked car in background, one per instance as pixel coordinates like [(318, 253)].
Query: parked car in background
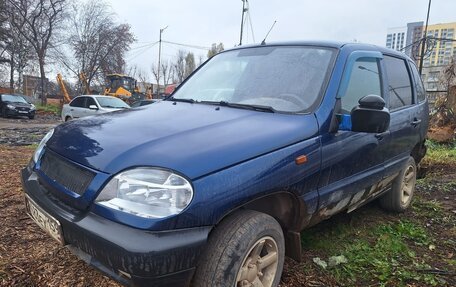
[(89, 105), (143, 103), (16, 106), (213, 185)]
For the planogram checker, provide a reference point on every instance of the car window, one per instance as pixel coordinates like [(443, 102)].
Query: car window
[(78, 102), (89, 101), (399, 85), (364, 80), (110, 102), (13, 99), (288, 79), (419, 87)]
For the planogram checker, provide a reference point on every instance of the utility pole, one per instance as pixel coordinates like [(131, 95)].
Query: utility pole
[(424, 39), (242, 21), (159, 58)]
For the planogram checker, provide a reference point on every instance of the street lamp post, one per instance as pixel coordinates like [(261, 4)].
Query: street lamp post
[(424, 39), (159, 59)]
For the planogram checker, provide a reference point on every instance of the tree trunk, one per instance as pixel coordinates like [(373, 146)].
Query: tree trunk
[(43, 78), (12, 72)]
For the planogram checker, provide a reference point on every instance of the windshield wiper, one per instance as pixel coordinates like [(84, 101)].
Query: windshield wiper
[(260, 108), (191, 101)]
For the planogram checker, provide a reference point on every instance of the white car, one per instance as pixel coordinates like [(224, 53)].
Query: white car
[(89, 105)]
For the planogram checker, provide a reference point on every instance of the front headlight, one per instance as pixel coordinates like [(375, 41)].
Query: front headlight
[(147, 192), (32, 107), (40, 147), (11, 107)]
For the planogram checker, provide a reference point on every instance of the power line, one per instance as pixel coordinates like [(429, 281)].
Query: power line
[(143, 46), (187, 45), (144, 49)]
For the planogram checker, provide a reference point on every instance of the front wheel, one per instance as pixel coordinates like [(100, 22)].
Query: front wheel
[(399, 197), (246, 249)]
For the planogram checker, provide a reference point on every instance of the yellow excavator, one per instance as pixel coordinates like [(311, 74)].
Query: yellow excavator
[(123, 87), (66, 96)]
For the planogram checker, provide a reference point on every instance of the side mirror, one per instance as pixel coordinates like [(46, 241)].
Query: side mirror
[(93, 107), (370, 116)]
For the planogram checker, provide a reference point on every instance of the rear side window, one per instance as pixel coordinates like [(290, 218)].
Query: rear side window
[(78, 102), (419, 87), (364, 80), (399, 85)]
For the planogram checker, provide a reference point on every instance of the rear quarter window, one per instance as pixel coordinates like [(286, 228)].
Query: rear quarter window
[(399, 84), (78, 102), (418, 83)]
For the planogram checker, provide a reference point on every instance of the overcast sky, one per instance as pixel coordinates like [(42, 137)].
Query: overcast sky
[(203, 22)]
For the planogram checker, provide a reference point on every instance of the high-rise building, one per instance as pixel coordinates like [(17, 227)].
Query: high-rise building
[(440, 54), (396, 38), (444, 50)]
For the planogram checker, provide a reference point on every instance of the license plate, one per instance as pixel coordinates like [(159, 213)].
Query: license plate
[(44, 220), (23, 112)]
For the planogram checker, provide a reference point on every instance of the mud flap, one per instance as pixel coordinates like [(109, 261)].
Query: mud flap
[(293, 247)]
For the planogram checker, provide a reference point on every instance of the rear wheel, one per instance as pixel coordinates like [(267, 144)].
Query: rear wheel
[(4, 115), (245, 250), (400, 196), (68, 118)]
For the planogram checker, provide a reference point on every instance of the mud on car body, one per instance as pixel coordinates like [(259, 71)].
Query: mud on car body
[(213, 184)]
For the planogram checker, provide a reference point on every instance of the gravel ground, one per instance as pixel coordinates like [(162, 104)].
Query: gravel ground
[(23, 131)]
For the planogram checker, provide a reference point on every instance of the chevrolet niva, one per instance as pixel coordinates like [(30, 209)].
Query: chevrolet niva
[(212, 186)]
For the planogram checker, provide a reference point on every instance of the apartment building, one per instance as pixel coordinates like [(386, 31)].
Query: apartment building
[(439, 55)]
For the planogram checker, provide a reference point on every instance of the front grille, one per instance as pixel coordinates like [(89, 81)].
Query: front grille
[(71, 176), (22, 109)]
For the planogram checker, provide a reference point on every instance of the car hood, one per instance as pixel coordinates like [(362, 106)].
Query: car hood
[(19, 105), (193, 139)]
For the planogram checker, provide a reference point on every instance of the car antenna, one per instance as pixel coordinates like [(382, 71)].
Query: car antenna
[(264, 40)]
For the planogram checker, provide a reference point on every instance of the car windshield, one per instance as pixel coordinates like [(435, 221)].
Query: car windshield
[(13, 99), (106, 102), (283, 78)]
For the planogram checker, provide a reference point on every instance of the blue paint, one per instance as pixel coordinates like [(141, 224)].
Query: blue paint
[(232, 157)]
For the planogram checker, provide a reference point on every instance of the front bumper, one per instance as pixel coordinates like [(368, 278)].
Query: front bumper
[(18, 113), (131, 256)]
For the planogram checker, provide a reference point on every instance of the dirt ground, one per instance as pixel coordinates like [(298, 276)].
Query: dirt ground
[(426, 235), (23, 131)]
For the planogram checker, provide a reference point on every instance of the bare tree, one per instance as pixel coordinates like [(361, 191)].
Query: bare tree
[(190, 65), (179, 67), (4, 32), (96, 44), (20, 51), (167, 72), (215, 49), (445, 105), (41, 19)]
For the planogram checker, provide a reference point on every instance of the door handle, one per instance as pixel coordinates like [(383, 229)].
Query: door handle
[(415, 122), (381, 136), (71, 110)]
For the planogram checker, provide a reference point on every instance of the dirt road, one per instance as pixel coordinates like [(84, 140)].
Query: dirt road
[(23, 132)]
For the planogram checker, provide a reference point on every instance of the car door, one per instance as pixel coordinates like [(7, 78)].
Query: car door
[(89, 102), (77, 107), (405, 122), (352, 162)]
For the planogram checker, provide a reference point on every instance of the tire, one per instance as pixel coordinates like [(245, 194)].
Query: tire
[(31, 117), (4, 115), (229, 259), (400, 196), (68, 118)]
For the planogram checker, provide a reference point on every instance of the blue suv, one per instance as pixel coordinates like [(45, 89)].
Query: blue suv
[(212, 186)]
